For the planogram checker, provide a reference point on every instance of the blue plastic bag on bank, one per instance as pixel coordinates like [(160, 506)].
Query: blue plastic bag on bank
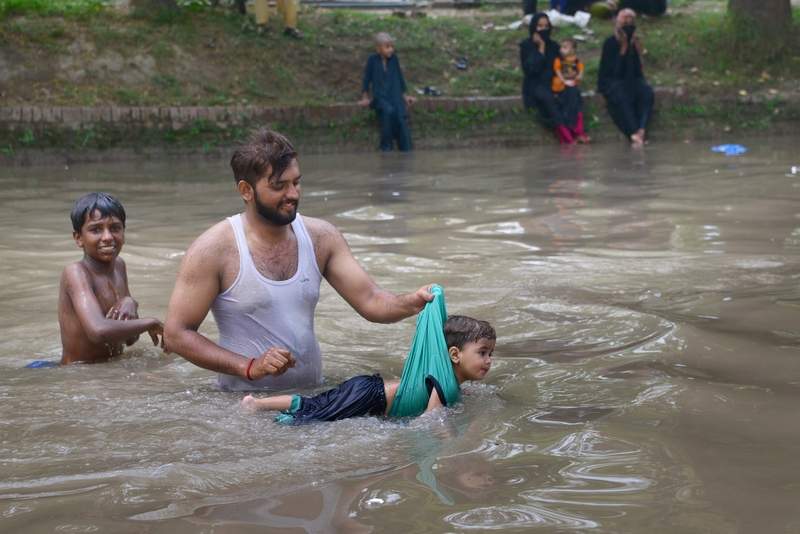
[(729, 150)]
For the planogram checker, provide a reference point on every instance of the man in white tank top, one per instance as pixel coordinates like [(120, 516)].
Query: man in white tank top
[(259, 273)]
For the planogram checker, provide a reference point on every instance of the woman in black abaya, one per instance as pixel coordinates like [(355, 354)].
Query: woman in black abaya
[(537, 54)]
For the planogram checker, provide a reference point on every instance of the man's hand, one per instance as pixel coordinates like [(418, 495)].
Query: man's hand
[(156, 331), (274, 361), (364, 102), (409, 99), (421, 297), (569, 83)]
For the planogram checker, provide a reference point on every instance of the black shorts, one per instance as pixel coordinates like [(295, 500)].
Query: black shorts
[(356, 397)]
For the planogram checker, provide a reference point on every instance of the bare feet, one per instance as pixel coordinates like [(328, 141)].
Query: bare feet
[(637, 138), (248, 404), (584, 139)]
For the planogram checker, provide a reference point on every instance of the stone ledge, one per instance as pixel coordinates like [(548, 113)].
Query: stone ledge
[(177, 117)]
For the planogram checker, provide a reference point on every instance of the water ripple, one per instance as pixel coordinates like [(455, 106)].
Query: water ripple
[(517, 516)]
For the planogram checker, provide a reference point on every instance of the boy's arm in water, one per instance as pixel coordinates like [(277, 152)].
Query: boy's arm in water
[(355, 286), (99, 329), (197, 285)]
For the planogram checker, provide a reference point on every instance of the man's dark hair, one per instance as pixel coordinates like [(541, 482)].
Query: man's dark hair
[(265, 151), (88, 203), (460, 330)]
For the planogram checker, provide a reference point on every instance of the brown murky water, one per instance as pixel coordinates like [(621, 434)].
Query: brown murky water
[(647, 375)]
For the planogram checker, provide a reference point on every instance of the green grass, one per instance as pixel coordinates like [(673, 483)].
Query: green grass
[(69, 8), (212, 56)]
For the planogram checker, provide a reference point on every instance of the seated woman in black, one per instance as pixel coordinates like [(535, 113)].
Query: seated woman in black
[(537, 55), (629, 98)]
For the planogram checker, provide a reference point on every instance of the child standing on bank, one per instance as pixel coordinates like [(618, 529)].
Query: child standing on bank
[(96, 314), (568, 71), (470, 345), (383, 76)]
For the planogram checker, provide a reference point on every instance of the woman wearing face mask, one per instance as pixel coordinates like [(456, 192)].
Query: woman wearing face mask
[(628, 96), (537, 55)]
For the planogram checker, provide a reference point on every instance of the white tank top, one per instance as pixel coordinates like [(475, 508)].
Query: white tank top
[(256, 313)]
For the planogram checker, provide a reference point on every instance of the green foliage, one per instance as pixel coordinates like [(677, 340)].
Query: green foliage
[(72, 8), (712, 48), (27, 137)]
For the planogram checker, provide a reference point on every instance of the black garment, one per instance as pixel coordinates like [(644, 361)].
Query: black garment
[(628, 96), (388, 87), (394, 125), (569, 7), (630, 105), (387, 83), (537, 71), (646, 7), (529, 7), (571, 103), (356, 397)]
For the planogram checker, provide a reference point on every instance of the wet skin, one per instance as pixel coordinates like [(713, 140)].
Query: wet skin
[(96, 314)]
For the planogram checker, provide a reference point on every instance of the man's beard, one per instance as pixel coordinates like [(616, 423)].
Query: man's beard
[(272, 214)]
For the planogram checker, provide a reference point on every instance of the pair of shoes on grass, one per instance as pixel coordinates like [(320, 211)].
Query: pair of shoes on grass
[(294, 33)]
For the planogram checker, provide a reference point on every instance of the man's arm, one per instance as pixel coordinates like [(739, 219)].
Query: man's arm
[(353, 283), (98, 327), (196, 287)]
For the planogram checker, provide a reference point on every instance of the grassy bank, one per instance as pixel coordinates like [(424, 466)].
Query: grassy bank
[(82, 53), (89, 55)]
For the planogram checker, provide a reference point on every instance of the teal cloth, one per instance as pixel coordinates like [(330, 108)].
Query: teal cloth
[(427, 357), (286, 417)]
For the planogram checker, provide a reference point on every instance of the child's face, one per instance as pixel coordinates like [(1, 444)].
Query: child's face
[(567, 49), (386, 50), (474, 360), (101, 237)]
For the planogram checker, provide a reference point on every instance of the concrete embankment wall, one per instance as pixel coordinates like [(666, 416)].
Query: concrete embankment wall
[(81, 133)]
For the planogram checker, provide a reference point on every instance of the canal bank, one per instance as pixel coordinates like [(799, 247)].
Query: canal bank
[(30, 134)]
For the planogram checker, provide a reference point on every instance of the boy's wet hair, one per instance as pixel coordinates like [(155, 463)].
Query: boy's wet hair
[(460, 330), (266, 150), (88, 203)]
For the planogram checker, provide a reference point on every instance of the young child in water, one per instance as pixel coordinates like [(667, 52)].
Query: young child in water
[(96, 313), (470, 345), (568, 75)]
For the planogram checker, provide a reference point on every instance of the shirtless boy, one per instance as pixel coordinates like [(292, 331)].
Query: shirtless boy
[(96, 313)]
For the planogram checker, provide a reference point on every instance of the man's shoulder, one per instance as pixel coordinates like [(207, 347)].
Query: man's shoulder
[(214, 242), (319, 229)]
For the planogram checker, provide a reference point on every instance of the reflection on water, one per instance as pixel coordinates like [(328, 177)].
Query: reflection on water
[(646, 379)]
